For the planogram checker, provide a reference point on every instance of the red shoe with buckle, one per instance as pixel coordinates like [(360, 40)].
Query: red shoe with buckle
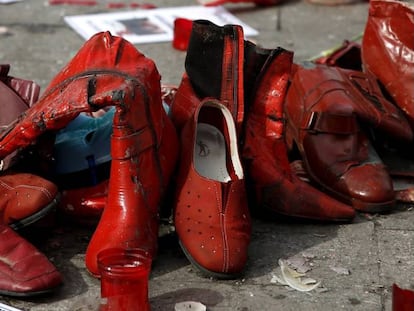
[(110, 71), (388, 50), (25, 198), (214, 69), (24, 271), (326, 108), (265, 155), (211, 214)]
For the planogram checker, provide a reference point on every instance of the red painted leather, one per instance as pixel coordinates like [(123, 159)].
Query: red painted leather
[(387, 50), (265, 153), (24, 271)]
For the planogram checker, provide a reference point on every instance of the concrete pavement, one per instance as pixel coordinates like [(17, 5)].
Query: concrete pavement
[(357, 263)]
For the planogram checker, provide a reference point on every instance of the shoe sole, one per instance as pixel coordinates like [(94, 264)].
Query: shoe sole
[(206, 272), (29, 294), (19, 224)]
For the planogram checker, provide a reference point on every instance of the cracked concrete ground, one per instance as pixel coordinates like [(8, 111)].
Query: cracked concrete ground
[(357, 263)]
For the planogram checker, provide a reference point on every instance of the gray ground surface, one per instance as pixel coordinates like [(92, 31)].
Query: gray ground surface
[(376, 250)]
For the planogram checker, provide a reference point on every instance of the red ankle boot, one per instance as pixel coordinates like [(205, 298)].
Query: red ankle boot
[(144, 150), (265, 155), (214, 69), (109, 71), (387, 50)]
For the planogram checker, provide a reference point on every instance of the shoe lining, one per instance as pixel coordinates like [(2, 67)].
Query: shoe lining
[(210, 153)]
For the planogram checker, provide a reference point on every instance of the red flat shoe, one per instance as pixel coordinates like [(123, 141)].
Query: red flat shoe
[(24, 271), (211, 214), (326, 109), (387, 50), (25, 198), (275, 185)]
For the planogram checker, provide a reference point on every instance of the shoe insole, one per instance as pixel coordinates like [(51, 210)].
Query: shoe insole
[(210, 153)]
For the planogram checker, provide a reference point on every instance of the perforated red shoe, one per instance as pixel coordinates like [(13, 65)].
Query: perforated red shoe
[(25, 198), (211, 214)]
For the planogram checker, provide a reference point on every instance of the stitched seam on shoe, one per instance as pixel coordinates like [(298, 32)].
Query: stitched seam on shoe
[(41, 189), (223, 232), (5, 185)]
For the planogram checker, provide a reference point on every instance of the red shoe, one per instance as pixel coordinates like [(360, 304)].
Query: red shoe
[(322, 107), (144, 143), (211, 214), (25, 198), (265, 155), (24, 271), (84, 205), (402, 299), (388, 50), (214, 69)]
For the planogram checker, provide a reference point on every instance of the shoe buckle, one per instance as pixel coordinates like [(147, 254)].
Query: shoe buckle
[(312, 121)]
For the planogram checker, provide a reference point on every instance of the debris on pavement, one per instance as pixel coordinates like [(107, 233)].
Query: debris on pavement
[(294, 279), (340, 270), (189, 305)]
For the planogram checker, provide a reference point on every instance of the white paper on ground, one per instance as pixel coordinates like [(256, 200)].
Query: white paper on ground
[(151, 25)]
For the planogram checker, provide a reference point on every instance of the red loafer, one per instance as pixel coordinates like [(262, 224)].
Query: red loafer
[(265, 155), (388, 50), (25, 198), (326, 108), (211, 214), (24, 271)]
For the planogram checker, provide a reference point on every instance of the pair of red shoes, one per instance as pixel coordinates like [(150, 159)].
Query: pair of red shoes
[(24, 199), (333, 110)]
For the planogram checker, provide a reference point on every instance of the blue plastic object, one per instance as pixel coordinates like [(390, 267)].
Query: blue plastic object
[(84, 143)]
